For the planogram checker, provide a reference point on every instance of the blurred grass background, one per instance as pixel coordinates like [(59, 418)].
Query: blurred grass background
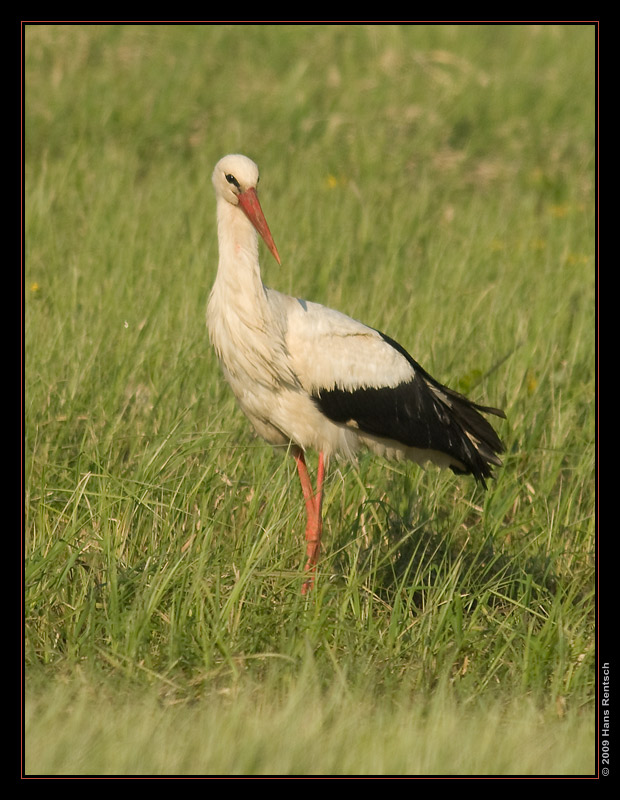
[(435, 181)]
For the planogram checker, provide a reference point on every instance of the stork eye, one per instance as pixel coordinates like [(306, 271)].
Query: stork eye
[(232, 180)]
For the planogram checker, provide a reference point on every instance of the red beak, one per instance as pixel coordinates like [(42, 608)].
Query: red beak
[(248, 201)]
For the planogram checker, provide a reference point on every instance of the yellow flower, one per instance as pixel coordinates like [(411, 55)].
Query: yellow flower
[(532, 382), (332, 181), (577, 258)]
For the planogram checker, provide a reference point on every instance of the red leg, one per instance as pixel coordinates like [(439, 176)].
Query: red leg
[(314, 525)]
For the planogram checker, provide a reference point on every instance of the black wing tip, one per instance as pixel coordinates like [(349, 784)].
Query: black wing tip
[(497, 412), (480, 445), (480, 471)]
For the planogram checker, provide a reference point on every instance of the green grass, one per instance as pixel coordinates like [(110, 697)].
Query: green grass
[(436, 182), (261, 730)]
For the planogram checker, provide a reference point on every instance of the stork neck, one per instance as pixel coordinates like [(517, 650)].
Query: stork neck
[(238, 246)]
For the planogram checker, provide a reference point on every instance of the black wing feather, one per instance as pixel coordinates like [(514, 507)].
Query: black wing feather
[(420, 413)]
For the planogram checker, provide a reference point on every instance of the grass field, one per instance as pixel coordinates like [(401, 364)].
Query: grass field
[(435, 181)]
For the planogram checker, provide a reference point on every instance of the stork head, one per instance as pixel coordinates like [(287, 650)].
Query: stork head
[(235, 179)]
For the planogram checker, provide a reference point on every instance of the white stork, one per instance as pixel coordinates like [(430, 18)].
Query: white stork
[(307, 376)]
